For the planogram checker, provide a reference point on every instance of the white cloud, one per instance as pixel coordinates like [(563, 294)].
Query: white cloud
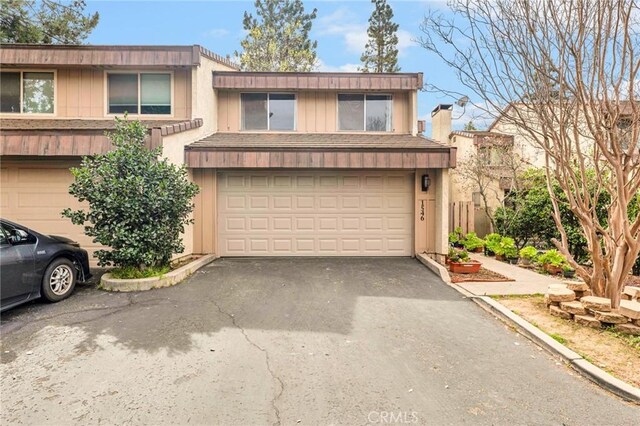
[(324, 67), (345, 24), (216, 32)]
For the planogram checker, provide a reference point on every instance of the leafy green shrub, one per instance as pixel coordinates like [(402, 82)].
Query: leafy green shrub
[(138, 204), (458, 255), (506, 248), (472, 241), (529, 253), (457, 236), (492, 241), (552, 257)]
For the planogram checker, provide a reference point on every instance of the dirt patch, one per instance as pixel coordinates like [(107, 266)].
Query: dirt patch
[(615, 353), (483, 275)]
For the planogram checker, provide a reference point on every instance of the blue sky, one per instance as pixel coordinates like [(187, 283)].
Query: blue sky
[(340, 30)]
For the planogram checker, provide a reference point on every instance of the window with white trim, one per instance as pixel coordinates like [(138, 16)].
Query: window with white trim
[(360, 112), (268, 111), (28, 92), (139, 93)]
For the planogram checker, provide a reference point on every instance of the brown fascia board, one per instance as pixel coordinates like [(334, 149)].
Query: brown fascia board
[(105, 55), (317, 81)]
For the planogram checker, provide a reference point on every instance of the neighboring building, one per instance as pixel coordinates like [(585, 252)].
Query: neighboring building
[(500, 148), (288, 164)]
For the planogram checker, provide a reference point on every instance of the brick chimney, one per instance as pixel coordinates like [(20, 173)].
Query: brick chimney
[(441, 123)]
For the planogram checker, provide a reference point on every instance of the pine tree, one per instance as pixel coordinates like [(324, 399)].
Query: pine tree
[(381, 50), (45, 21), (278, 38)]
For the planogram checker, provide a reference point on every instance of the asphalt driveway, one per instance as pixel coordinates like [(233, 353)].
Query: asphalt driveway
[(286, 341)]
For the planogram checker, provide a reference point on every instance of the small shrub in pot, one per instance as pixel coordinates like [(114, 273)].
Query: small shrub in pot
[(473, 243), (492, 241), (528, 255)]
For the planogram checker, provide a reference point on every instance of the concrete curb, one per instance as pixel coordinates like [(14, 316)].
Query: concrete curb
[(577, 362), (533, 333), (166, 280), (442, 272)]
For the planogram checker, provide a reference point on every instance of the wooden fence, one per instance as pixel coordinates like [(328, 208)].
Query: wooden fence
[(461, 214)]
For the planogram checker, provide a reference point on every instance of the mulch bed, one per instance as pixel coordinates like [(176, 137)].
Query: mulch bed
[(484, 275)]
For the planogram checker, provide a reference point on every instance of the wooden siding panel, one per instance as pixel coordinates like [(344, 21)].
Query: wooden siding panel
[(316, 112)]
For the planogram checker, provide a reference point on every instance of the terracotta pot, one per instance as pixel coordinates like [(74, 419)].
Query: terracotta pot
[(501, 257), (470, 267), (478, 250), (554, 270)]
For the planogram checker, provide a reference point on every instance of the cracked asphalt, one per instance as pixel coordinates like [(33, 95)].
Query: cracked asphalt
[(286, 341)]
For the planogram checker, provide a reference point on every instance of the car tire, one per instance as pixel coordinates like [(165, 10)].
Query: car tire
[(59, 280)]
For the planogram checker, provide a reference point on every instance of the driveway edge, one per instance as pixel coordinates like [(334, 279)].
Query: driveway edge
[(542, 339), (577, 362), (166, 280)]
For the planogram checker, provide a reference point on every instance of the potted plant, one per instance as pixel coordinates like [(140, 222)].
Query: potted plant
[(491, 243), (460, 263), (456, 238), (473, 243), (528, 255), (506, 249), (552, 261), (568, 271)]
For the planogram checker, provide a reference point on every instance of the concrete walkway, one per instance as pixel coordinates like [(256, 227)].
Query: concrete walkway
[(525, 281)]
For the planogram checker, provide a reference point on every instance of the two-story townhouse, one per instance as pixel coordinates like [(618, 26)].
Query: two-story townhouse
[(56, 102), (288, 164)]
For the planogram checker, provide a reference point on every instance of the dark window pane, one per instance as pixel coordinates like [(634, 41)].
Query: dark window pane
[(10, 92), (37, 96), (282, 111), (123, 93), (155, 93), (378, 113), (254, 111), (350, 112)]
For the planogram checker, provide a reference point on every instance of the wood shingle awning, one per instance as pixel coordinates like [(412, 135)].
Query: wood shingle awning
[(72, 137), (341, 151)]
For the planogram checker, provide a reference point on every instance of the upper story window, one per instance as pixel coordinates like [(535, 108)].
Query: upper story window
[(29, 92), (268, 111), (139, 93), (359, 112)]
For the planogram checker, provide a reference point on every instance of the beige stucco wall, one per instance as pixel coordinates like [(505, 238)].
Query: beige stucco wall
[(316, 111)]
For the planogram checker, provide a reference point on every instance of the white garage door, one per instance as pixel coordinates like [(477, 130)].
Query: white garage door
[(34, 194), (315, 213)]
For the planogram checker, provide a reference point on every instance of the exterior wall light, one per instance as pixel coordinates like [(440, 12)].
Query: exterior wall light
[(426, 181)]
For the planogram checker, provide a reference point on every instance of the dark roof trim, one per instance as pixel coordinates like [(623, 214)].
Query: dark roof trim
[(317, 80), (106, 55)]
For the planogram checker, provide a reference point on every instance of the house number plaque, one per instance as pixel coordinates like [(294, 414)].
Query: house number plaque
[(422, 210)]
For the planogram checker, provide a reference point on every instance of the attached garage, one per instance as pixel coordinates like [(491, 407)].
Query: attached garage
[(34, 193), (315, 213)]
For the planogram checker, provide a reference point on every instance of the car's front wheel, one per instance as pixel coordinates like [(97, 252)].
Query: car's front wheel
[(59, 280)]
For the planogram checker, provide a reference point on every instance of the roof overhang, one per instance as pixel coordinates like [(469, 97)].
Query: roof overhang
[(316, 81), (318, 151), (68, 138), (106, 56)]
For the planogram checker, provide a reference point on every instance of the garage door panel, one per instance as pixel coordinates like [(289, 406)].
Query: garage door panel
[(319, 213), (35, 197)]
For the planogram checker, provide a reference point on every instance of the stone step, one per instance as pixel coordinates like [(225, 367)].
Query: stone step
[(573, 307), (630, 309), (557, 312), (610, 317), (628, 328), (560, 294), (631, 291), (587, 321), (601, 304), (576, 285)]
